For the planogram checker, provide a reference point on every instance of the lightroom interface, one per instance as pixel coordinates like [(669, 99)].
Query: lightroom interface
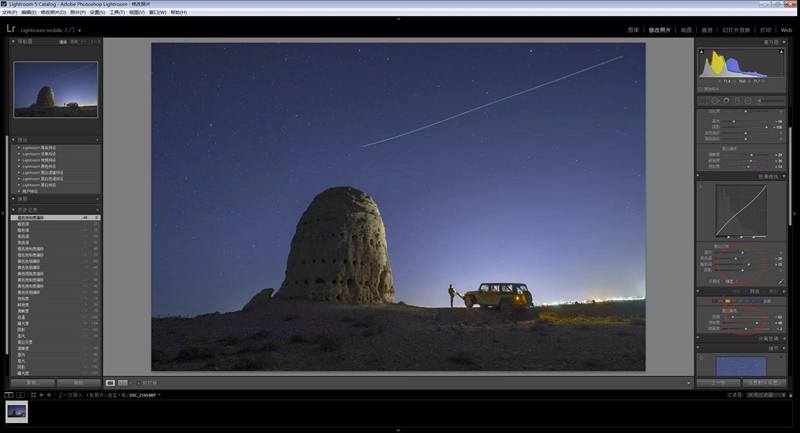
[(216, 208)]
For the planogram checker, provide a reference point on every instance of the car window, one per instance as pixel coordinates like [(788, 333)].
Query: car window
[(483, 288), (519, 289), (505, 289), (523, 287), (494, 288)]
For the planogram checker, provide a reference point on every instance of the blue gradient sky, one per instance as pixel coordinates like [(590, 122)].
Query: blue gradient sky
[(70, 81), (19, 408), (547, 188)]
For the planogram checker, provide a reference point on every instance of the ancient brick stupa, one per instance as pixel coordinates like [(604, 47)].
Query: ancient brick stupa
[(339, 252), (46, 98)]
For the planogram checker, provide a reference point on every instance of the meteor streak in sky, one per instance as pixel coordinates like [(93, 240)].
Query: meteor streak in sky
[(493, 102), (72, 72)]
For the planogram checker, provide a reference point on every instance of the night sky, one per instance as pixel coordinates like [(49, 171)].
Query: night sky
[(18, 408), (547, 188), (70, 81)]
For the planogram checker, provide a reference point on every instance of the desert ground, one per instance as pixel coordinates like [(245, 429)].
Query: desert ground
[(299, 335), (86, 111)]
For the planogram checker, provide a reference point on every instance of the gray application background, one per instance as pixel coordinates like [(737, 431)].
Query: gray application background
[(670, 216)]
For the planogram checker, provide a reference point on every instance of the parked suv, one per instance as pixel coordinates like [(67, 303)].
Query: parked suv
[(507, 296)]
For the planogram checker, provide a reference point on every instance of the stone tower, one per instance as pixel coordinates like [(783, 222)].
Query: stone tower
[(46, 98), (339, 252)]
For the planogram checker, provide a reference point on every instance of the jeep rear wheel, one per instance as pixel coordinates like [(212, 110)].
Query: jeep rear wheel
[(469, 301), (506, 309)]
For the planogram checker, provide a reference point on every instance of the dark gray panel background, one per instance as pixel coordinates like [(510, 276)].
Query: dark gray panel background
[(81, 164), (773, 116), (670, 217), (705, 313), (757, 55), (770, 278), (777, 300), (771, 149), (382, 383), (60, 303)]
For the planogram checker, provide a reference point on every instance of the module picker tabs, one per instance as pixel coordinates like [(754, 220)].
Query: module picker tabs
[(741, 213), (55, 148)]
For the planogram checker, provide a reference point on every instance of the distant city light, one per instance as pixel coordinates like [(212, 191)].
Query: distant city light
[(589, 301)]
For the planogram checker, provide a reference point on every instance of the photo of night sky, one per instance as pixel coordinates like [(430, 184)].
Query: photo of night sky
[(70, 81), (545, 188)]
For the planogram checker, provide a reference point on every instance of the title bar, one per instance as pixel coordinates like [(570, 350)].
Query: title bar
[(400, 8)]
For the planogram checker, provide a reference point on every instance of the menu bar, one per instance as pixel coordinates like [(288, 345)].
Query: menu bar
[(404, 8)]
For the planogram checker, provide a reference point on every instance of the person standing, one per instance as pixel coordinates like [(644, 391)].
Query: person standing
[(452, 292)]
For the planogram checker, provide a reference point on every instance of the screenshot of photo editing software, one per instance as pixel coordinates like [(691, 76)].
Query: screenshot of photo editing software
[(399, 215)]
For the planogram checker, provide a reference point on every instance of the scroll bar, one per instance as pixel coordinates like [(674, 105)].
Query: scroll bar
[(790, 175), (8, 238)]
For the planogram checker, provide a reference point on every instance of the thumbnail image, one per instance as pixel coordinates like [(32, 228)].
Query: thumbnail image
[(16, 412), (398, 207), (55, 89)]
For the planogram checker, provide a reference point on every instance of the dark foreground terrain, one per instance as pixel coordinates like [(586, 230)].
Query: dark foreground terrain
[(291, 335), (86, 111)]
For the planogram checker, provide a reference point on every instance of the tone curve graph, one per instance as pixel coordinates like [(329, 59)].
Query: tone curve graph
[(742, 211)]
